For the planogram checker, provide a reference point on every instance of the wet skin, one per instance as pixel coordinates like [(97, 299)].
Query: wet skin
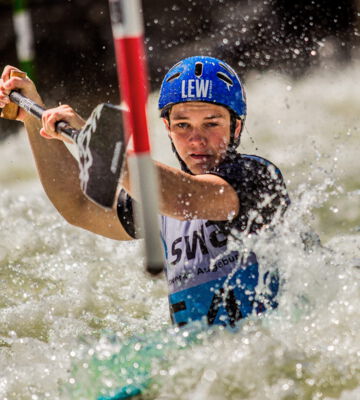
[(200, 133)]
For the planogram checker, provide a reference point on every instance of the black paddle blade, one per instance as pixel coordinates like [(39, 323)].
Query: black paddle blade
[(101, 145)]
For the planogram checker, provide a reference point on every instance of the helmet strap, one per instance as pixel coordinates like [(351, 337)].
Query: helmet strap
[(183, 166), (235, 141)]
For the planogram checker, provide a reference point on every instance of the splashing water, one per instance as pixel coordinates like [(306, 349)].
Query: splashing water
[(64, 289)]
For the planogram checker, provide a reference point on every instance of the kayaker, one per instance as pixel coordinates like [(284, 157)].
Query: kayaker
[(203, 106)]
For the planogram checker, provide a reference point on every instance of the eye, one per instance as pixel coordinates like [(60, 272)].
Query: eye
[(182, 125), (212, 124)]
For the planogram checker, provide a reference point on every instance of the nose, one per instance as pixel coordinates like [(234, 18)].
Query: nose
[(197, 136)]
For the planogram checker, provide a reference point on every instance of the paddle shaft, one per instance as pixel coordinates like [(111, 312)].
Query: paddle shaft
[(37, 111)]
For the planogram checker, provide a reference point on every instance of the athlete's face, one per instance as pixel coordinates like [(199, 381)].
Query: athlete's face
[(201, 134)]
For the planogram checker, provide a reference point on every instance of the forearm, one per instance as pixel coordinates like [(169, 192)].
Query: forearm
[(177, 192), (184, 196), (173, 188), (59, 175), (57, 168)]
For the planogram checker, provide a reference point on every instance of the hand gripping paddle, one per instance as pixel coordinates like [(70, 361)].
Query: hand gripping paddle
[(100, 144)]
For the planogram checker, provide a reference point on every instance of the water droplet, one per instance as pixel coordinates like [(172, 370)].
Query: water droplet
[(210, 375)]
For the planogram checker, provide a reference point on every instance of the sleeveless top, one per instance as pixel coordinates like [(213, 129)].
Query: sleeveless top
[(207, 280)]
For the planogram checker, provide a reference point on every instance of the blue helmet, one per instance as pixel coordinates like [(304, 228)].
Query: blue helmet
[(205, 79)]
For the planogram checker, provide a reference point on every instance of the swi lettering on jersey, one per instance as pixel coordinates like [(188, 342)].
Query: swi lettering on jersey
[(196, 88), (196, 253), (196, 242)]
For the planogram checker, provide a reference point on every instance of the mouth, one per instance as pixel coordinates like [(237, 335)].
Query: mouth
[(200, 157)]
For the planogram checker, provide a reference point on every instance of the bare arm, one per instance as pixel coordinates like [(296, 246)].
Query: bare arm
[(184, 196), (59, 175), (58, 170)]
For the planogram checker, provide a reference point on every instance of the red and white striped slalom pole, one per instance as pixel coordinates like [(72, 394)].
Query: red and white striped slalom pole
[(128, 33)]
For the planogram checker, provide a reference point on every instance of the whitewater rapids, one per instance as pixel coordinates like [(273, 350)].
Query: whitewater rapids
[(60, 284)]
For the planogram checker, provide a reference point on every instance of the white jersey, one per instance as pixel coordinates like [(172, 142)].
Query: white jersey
[(195, 253), (202, 273)]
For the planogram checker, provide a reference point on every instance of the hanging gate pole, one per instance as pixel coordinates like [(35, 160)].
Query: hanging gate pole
[(128, 35)]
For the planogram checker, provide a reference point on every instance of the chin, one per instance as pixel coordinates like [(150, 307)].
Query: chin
[(197, 170)]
